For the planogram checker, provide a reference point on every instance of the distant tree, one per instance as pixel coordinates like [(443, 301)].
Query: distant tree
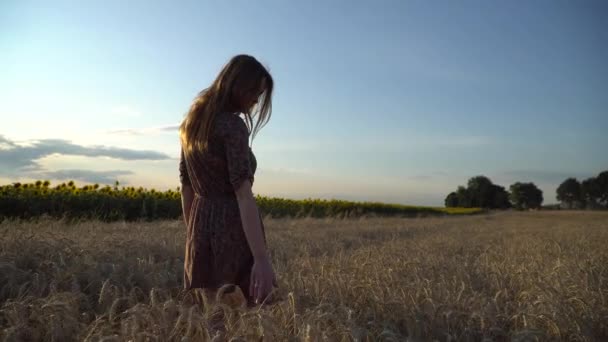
[(602, 184), (481, 190), (526, 196), (500, 197), (464, 197), (569, 193), (451, 200), (590, 192)]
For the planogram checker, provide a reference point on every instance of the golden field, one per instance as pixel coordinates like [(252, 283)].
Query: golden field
[(506, 276)]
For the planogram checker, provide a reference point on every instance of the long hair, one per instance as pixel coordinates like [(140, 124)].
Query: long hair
[(243, 75)]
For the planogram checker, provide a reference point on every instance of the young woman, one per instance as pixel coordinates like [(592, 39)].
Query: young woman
[(225, 242)]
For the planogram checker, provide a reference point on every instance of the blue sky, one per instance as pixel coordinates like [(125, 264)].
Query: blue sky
[(395, 101)]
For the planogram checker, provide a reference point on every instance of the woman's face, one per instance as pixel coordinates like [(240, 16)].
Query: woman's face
[(251, 98)]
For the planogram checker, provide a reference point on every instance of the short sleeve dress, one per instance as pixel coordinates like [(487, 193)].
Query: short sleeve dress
[(217, 251)]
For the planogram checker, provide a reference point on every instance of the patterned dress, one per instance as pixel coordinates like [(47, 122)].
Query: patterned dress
[(217, 251)]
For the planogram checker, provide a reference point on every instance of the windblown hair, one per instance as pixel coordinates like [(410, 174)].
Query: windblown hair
[(242, 76)]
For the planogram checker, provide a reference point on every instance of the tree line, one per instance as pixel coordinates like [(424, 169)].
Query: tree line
[(480, 192), (591, 193)]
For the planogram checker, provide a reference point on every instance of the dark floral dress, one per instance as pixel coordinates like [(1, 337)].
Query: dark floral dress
[(217, 251)]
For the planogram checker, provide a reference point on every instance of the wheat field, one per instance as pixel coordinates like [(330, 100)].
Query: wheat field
[(514, 276)]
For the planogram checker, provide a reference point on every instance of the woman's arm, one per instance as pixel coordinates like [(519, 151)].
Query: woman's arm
[(251, 221), (187, 197), (240, 174), (262, 274)]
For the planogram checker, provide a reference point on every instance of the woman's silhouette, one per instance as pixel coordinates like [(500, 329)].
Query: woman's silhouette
[(225, 242)]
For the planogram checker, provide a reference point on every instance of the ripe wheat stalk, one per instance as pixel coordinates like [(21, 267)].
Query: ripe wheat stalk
[(506, 276)]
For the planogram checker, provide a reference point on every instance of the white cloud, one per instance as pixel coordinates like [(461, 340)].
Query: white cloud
[(145, 130), (27, 159)]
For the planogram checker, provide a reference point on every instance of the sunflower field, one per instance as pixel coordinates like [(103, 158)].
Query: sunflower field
[(111, 203)]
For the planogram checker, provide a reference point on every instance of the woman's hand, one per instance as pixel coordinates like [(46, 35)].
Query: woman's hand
[(262, 275), (262, 279)]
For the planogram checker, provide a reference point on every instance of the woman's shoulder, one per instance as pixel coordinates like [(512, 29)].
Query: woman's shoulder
[(229, 123)]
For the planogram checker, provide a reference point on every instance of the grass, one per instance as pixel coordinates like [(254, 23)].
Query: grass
[(461, 211), (500, 276)]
